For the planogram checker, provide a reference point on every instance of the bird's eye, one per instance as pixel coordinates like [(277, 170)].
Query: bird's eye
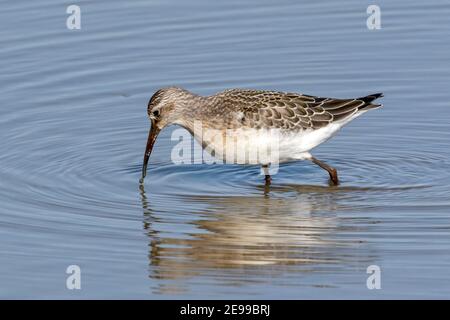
[(156, 113)]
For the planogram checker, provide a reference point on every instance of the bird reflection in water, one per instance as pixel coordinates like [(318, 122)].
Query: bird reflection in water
[(249, 238)]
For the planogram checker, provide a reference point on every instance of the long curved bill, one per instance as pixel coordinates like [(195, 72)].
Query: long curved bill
[(152, 135)]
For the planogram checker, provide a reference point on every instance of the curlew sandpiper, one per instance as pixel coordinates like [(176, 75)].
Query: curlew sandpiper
[(301, 122)]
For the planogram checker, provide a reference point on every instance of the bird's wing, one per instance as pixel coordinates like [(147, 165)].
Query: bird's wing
[(272, 109)]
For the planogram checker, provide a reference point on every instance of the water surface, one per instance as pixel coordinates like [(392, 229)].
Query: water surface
[(73, 127)]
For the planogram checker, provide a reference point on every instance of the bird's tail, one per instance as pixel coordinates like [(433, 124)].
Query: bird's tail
[(368, 101)]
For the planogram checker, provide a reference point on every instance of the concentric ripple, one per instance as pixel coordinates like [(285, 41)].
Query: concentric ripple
[(73, 129)]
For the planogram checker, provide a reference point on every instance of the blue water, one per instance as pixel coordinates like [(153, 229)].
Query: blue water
[(73, 128)]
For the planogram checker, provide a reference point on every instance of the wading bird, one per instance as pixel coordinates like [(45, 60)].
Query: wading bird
[(301, 122)]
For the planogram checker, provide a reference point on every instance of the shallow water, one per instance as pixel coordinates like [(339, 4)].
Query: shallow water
[(73, 126)]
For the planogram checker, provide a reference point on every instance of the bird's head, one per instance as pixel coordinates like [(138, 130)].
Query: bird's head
[(164, 109)]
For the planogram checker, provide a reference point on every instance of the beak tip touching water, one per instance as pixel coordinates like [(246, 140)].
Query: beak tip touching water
[(144, 170)]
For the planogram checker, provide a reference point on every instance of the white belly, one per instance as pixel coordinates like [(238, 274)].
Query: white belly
[(251, 146)]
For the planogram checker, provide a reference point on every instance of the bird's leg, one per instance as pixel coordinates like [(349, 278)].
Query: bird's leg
[(267, 178), (332, 171)]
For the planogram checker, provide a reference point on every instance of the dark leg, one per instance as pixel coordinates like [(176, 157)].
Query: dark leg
[(267, 178), (332, 171)]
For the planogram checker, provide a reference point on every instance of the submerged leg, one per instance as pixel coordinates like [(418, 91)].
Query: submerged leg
[(332, 171), (267, 178)]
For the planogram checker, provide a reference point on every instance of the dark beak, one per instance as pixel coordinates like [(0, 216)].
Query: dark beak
[(152, 134)]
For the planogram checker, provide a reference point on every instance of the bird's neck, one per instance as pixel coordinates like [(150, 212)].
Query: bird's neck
[(192, 108)]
